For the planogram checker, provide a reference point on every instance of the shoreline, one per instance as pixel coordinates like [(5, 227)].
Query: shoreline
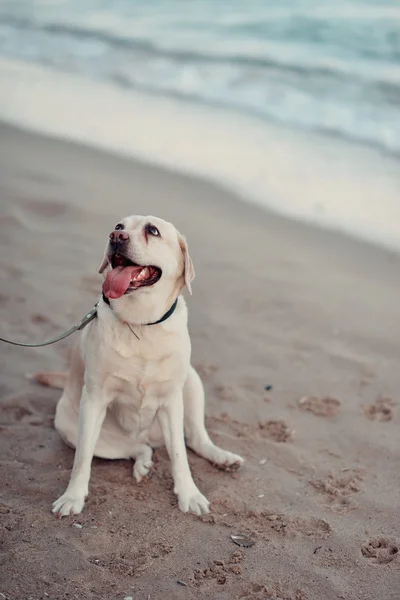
[(313, 178), (319, 233)]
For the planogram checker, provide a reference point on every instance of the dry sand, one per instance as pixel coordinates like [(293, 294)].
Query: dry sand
[(313, 314)]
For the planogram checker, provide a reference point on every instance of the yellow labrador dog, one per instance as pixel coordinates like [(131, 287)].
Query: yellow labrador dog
[(131, 387)]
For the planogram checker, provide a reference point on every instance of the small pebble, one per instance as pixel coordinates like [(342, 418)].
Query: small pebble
[(261, 495), (268, 388), (78, 525), (262, 461), (128, 598), (180, 582)]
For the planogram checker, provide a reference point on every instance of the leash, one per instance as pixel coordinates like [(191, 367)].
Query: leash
[(83, 322)]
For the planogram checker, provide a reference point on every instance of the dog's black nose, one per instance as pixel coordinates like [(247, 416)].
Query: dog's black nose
[(118, 239)]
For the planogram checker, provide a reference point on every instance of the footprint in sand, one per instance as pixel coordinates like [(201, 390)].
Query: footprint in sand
[(129, 563), (32, 410), (219, 570), (380, 551), (256, 591), (277, 431), (9, 414), (321, 407), (10, 517), (339, 488), (274, 430), (263, 524), (381, 410)]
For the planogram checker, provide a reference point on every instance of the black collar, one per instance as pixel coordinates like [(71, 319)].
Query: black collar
[(163, 318)]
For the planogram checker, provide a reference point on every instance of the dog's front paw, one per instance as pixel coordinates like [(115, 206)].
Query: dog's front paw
[(192, 500), (69, 504)]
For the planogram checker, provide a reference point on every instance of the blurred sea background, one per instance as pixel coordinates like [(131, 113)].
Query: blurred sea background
[(292, 104)]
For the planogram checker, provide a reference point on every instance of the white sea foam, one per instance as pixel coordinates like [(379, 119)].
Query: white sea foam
[(322, 180)]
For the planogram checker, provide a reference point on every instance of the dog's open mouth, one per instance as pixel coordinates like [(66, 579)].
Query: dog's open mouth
[(126, 276)]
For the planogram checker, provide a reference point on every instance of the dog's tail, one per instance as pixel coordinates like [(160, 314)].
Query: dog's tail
[(53, 379)]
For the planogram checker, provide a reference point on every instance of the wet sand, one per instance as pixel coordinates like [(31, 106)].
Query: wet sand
[(276, 303)]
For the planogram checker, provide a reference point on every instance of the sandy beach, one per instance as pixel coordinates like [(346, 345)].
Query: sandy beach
[(296, 334)]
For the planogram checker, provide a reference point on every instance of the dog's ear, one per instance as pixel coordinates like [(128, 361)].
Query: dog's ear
[(104, 264), (188, 268)]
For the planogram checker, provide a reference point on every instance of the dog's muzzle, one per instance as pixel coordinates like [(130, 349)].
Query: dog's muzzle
[(118, 240)]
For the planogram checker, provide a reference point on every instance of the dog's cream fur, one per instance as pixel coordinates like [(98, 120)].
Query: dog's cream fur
[(125, 396)]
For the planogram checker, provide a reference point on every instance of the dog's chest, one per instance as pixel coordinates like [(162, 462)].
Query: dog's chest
[(146, 362), (134, 408), (136, 379), (138, 375), (139, 385)]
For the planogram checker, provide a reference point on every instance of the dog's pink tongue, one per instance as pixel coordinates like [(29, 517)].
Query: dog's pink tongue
[(117, 281)]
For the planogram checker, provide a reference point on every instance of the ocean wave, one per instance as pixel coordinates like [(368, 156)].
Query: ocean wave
[(314, 65), (358, 99)]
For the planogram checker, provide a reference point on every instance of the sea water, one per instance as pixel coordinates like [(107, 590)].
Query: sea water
[(292, 104)]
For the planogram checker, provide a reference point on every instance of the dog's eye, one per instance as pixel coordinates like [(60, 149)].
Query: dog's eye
[(119, 226), (150, 229)]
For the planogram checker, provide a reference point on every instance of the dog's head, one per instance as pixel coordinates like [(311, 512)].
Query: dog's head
[(146, 256)]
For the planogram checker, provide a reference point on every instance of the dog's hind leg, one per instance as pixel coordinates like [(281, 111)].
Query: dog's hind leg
[(196, 434)]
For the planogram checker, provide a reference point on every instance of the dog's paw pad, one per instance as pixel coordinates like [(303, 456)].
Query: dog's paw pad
[(380, 550)]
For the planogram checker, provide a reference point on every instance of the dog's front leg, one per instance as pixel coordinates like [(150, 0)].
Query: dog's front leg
[(92, 411), (171, 421)]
